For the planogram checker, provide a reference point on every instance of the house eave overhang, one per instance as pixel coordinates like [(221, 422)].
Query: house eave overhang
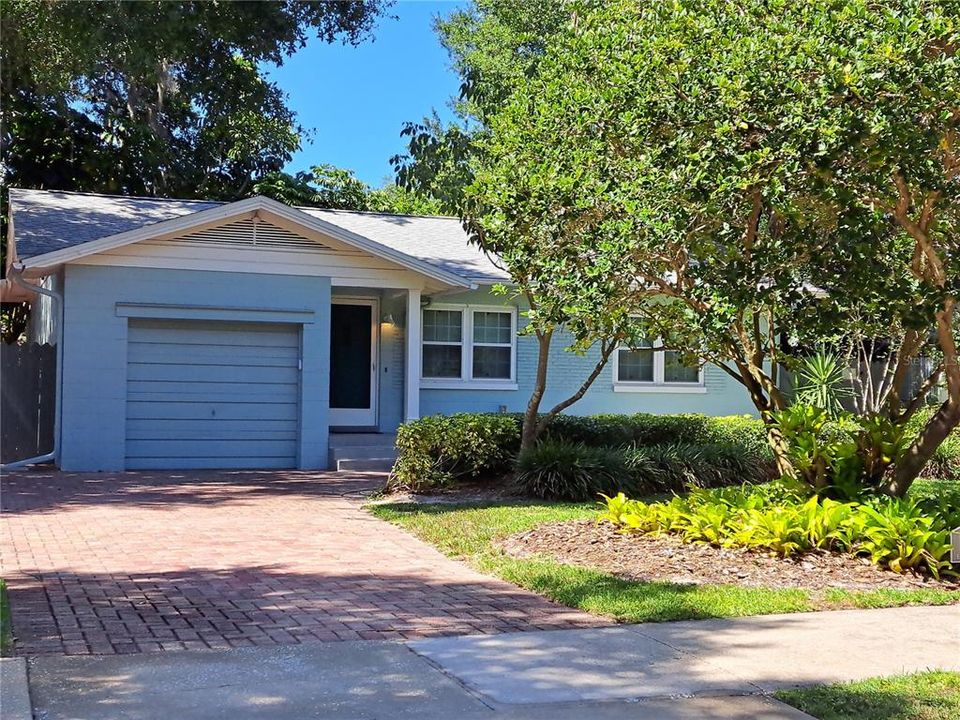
[(46, 263)]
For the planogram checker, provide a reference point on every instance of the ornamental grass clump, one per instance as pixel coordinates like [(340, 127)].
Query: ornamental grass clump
[(898, 534)]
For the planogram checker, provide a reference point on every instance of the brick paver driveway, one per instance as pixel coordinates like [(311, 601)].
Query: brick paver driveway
[(140, 562)]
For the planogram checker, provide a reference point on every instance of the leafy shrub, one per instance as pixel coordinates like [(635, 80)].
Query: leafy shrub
[(845, 457), (434, 451), (642, 429), (899, 534), (675, 467), (560, 470), (569, 471)]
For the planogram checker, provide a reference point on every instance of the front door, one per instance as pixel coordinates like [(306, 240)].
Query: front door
[(353, 363)]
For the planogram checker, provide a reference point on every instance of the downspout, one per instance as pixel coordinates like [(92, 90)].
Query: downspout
[(16, 275)]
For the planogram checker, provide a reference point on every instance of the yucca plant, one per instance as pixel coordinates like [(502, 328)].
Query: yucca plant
[(821, 382)]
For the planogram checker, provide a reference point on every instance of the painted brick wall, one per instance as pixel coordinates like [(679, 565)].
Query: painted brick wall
[(723, 396), (95, 349)]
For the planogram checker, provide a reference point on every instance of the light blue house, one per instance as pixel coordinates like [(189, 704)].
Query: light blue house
[(245, 334)]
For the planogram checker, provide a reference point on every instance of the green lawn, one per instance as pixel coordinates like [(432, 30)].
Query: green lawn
[(6, 632), (931, 695), (466, 532)]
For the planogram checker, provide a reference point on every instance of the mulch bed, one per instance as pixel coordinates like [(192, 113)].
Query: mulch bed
[(665, 558)]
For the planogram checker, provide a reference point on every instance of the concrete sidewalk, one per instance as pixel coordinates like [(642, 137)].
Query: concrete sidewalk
[(670, 671)]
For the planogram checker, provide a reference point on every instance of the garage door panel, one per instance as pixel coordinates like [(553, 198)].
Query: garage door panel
[(189, 392), (217, 432), (205, 355), (212, 373), (212, 395), (213, 334), (211, 448), (280, 391), (142, 427), (208, 463), (207, 411)]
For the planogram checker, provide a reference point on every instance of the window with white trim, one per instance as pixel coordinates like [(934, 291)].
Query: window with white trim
[(469, 345), (648, 365), (442, 343)]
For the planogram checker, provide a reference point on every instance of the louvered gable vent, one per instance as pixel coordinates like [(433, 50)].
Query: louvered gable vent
[(247, 233)]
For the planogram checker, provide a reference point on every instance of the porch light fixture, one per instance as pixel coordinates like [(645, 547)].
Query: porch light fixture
[(388, 319)]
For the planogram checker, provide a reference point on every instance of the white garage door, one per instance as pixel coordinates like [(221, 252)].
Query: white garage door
[(206, 394)]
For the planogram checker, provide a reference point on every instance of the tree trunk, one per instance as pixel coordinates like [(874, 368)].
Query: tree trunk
[(533, 424), (765, 405), (531, 430), (939, 427)]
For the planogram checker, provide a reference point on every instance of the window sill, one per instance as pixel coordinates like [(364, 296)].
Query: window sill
[(665, 389), (426, 384)]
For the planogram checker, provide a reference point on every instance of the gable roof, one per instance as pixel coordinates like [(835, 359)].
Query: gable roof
[(57, 226)]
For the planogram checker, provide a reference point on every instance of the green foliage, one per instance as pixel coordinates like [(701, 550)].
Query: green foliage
[(155, 98), (645, 429), (899, 534), (557, 470), (6, 626), (930, 695), (845, 457), (436, 450), (660, 452), (821, 382), (471, 533), (731, 174), (492, 44), (331, 187)]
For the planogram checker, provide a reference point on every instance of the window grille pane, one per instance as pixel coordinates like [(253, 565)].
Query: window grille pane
[(442, 361), (635, 366), (492, 327), (674, 372), (492, 363), (443, 326)]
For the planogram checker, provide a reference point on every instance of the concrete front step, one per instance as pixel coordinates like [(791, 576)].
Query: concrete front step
[(371, 452), (366, 465)]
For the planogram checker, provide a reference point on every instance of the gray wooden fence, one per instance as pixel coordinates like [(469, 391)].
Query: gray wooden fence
[(28, 381)]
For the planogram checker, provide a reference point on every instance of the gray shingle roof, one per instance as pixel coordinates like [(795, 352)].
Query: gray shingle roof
[(46, 221)]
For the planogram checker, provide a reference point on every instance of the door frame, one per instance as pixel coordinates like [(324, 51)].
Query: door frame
[(353, 417)]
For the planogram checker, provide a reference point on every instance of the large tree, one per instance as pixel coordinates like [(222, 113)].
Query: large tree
[(327, 186), (152, 97), (155, 97), (746, 170), (492, 44)]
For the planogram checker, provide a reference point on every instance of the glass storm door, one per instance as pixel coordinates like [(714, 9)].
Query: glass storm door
[(353, 365)]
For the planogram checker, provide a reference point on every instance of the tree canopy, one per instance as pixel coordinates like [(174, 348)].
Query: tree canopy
[(156, 98), (493, 44), (736, 173), (339, 189)]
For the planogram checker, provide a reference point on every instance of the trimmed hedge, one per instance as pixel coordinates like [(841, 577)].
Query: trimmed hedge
[(437, 450), (645, 429)]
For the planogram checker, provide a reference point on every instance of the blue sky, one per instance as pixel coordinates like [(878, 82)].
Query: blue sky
[(356, 99)]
